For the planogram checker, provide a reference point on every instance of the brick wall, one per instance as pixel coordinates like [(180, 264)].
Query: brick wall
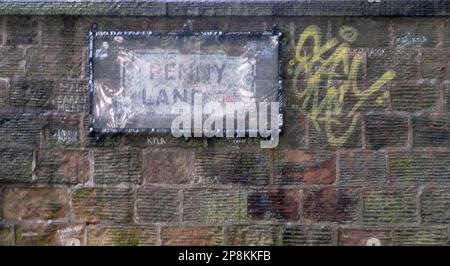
[(369, 161)]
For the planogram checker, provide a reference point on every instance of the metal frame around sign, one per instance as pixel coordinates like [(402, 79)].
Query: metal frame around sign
[(93, 33)]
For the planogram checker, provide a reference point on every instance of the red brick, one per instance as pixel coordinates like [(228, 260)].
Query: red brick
[(254, 235), (94, 205), (362, 168), (299, 167), (232, 166), (191, 236), (15, 165), (420, 236), (33, 93), (156, 204), (274, 204), (112, 166), (414, 96), (307, 235), (330, 205), (210, 206), (384, 131), (62, 166), (35, 203), (434, 63), (6, 235), (389, 206), (121, 235), (54, 62), (364, 237), (21, 30), (170, 166), (10, 60)]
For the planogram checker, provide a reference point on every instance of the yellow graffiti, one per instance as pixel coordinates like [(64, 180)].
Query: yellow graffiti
[(323, 65)]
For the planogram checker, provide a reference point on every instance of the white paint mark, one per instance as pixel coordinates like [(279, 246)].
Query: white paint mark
[(373, 241)]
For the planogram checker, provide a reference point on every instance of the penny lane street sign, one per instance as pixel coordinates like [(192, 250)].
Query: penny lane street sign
[(140, 80)]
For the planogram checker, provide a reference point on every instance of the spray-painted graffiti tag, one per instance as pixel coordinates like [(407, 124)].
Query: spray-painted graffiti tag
[(330, 73)]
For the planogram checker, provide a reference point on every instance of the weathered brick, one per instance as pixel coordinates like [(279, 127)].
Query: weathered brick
[(10, 59), (53, 62), (2, 189), (61, 30), (338, 131), (447, 95), (362, 168), (401, 61), (70, 96), (15, 165), (62, 166), (171, 165), (435, 205), (21, 30), (414, 97), (116, 166), (155, 204), (299, 167), (383, 131), (214, 205), (446, 33), (277, 204), (378, 27), (35, 203), (61, 130), (416, 32), (3, 92), (431, 131), (389, 206), (419, 167), (364, 237), (254, 235), (49, 235), (331, 204), (434, 63), (121, 235), (30, 94), (192, 236), (21, 129), (305, 235), (420, 236), (293, 134), (208, 23), (232, 166), (94, 205), (6, 235)]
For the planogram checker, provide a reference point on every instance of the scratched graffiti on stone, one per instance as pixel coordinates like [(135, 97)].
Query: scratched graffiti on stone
[(325, 74)]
